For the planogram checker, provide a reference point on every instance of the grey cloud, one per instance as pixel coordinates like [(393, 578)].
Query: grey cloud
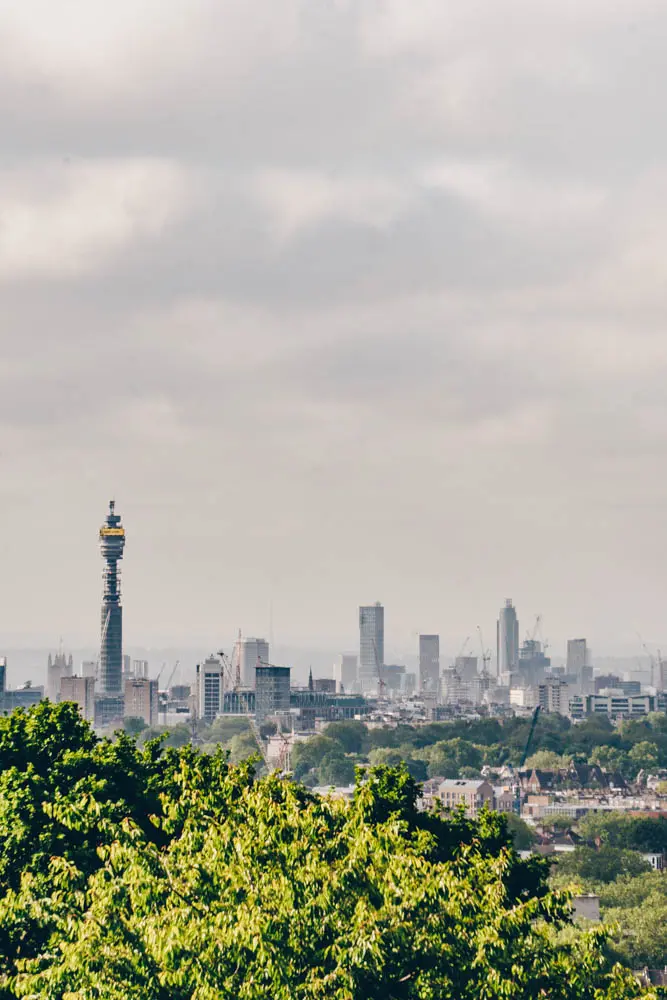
[(402, 333)]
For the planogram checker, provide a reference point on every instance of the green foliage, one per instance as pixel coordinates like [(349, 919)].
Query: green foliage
[(547, 760), (336, 770), (616, 829), (645, 755), (164, 874), (603, 865), (522, 835), (134, 725), (351, 735), (612, 759), (446, 748)]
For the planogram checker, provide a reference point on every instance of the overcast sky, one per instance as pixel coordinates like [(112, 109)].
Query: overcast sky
[(343, 301)]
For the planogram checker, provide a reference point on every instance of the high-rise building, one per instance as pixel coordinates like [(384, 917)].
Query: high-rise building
[(58, 666), (533, 664), (112, 544), (507, 640), (80, 690), (141, 700), (272, 691), (248, 653), (139, 669), (345, 671), (3, 674), (554, 696), (371, 646), (209, 688), (579, 666), (429, 664), (466, 667), (89, 668)]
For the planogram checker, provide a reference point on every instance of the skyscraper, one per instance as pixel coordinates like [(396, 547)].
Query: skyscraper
[(429, 664), (209, 688), (507, 640), (345, 672), (249, 651), (371, 645), (272, 691), (112, 544), (578, 665)]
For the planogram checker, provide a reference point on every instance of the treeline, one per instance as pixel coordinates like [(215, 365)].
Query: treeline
[(156, 873), (461, 748)]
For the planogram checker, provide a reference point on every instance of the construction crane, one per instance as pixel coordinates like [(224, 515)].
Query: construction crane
[(532, 636), (228, 672), (486, 653), (167, 686), (381, 681), (531, 733), (524, 758), (651, 659), (463, 648)]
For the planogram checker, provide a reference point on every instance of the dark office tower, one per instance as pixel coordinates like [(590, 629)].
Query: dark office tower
[(112, 543)]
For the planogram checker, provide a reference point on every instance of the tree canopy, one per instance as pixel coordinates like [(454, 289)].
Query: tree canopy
[(170, 874)]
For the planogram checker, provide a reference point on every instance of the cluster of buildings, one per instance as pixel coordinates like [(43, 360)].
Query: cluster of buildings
[(114, 687)]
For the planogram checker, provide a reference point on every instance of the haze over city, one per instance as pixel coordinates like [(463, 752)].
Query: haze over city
[(354, 302)]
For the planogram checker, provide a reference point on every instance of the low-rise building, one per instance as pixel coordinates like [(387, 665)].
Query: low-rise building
[(614, 704), (23, 697), (472, 795), (504, 798)]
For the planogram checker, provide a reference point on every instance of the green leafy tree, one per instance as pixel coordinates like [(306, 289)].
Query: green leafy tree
[(308, 756), (352, 735), (644, 755), (134, 725), (611, 759), (243, 746), (547, 760), (336, 770), (603, 865), (523, 835), (168, 874), (266, 892), (614, 829)]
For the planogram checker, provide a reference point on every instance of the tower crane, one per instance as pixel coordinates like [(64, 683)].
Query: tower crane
[(524, 758), (380, 672), (651, 659), (532, 636), (171, 675), (167, 686), (486, 653), (228, 672), (463, 648)]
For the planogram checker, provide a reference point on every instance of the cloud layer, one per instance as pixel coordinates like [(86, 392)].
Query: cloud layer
[(343, 301)]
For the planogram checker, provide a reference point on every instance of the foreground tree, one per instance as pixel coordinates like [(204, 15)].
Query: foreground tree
[(212, 885)]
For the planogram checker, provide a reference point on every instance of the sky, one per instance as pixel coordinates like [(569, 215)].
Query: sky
[(342, 301)]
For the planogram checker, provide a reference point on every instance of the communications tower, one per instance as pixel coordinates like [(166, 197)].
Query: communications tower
[(112, 543)]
